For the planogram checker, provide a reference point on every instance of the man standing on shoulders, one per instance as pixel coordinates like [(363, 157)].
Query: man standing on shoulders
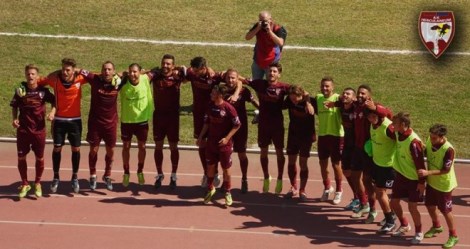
[(30, 100), (270, 38)]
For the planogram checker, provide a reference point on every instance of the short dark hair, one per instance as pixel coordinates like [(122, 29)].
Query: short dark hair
[(31, 66), (221, 89), (108, 62), (365, 86), (296, 90), (168, 56), (198, 62), (349, 89), (327, 78), (276, 65), (135, 65), (438, 129), (69, 62), (403, 117)]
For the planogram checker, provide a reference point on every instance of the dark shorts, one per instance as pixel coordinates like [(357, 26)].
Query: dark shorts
[(166, 126), (97, 132), (140, 130), (299, 144), (26, 141), (268, 133), (404, 188), (360, 161), (71, 128), (330, 146), (346, 158), (383, 177), (443, 200), (240, 139), (216, 154)]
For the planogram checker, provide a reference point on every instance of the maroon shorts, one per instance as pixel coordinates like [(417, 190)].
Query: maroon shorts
[(97, 132), (26, 141), (198, 123), (346, 158), (443, 200), (166, 126), (140, 130), (240, 139), (268, 133), (330, 146), (360, 161), (299, 145), (404, 188), (216, 154)]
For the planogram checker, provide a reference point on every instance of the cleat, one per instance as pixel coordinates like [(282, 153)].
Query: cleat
[(337, 198), (54, 185), (255, 117), (266, 183), (38, 190), (433, 231), (158, 181), (292, 192), (361, 211), (386, 228), (417, 238), (278, 188), (326, 194), (228, 199), (173, 182), (401, 231), (216, 180), (24, 190), (451, 242), (75, 185), (354, 203), (210, 193), (371, 217), (244, 186), (107, 181), (141, 178), (125, 180), (204, 181), (93, 182), (303, 196)]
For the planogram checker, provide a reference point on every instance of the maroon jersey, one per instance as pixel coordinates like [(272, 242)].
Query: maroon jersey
[(103, 106), (32, 108), (221, 119), (202, 87), (347, 117), (362, 124), (244, 96), (166, 91), (271, 100), (301, 122)]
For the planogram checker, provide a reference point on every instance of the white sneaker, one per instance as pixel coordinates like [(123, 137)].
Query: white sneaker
[(204, 181), (401, 231), (326, 194), (216, 181), (417, 239), (337, 198)]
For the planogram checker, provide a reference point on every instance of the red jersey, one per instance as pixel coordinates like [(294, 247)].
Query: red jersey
[(271, 100), (266, 51), (221, 119), (32, 108), (362, 125), (347, 117), (166, 92), (103, 104), (202, 87), (67, 95)]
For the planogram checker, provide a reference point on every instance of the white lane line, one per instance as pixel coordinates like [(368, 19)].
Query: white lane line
[(218, 44), (206, 230)]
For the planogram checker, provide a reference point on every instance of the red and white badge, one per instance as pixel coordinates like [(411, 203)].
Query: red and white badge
[(436, 29)]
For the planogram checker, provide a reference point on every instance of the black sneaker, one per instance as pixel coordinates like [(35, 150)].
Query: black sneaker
[(92, 182), (244, 186), (54, 185), (108, 183), (158, 182), (255, 118), (386, 228), (172, 182)]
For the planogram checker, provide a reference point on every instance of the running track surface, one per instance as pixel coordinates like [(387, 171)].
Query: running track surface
[(142, 217)]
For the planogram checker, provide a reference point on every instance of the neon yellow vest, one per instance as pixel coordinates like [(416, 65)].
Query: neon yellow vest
[(445, 182), (383, 148), (136, 101), (329, 119), (404, 163)]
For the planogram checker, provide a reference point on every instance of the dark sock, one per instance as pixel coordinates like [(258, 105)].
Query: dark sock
[(56, 157), (264, 166), (92, 159), (75, 161), (158, 156), (23, 169), (292, 172), (202, 156), (109, 165), (39, 170), (244, 168), (175, 157)]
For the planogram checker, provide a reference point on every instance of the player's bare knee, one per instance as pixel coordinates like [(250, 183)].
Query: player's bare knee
[(75, 149), (57, 149)]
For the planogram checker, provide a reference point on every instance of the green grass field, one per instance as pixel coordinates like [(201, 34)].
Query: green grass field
[(431, 90)]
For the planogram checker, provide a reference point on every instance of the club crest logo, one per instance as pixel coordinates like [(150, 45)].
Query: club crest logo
[(436, 29)]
